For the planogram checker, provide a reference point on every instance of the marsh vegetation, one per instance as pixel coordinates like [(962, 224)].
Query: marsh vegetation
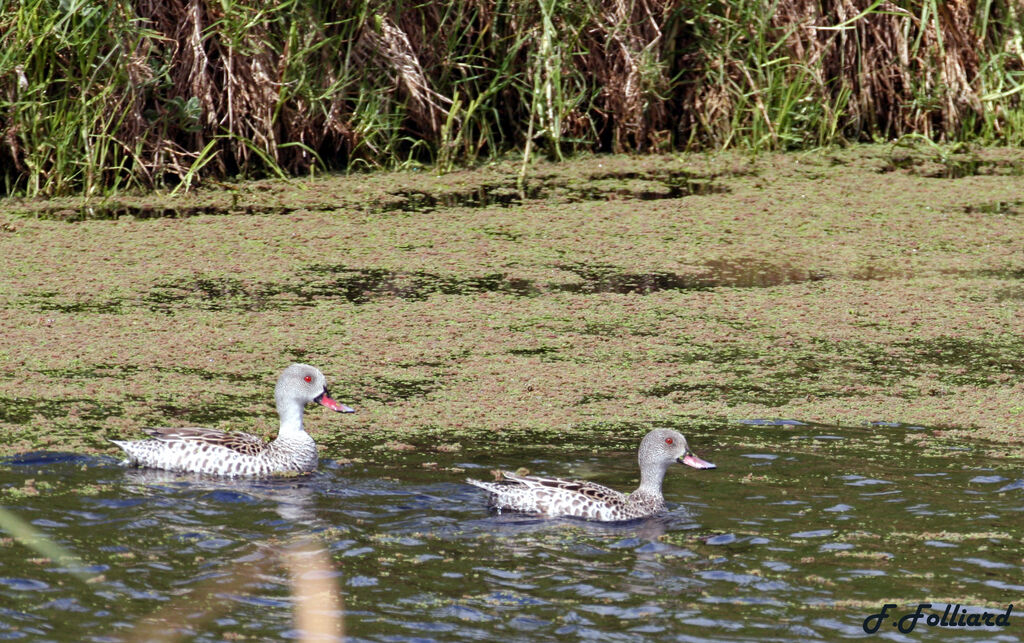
[(99, 97)]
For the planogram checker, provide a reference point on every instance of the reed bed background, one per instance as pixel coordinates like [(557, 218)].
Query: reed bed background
[(97, 97)]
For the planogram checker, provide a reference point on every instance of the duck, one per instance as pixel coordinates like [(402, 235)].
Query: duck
[(556, 497), (209, 451)]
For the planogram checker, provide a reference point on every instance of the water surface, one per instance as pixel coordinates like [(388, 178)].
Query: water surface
[(801, 533)]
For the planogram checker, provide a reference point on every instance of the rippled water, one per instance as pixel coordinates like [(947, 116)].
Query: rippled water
[(801, 533)]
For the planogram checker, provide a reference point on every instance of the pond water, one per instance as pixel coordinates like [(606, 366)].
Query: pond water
[(800, 534)]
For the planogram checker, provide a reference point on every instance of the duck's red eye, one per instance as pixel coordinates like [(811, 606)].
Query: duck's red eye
[(308, 378), (668, 440)]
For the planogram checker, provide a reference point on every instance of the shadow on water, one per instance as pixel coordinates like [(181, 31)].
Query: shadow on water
[(658, 184), (801, 533)]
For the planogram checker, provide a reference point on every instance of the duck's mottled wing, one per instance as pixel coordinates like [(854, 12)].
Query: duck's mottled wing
[(243, 443), (557, 497), (593, 491)]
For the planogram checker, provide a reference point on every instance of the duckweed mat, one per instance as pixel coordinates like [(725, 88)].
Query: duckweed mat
[(848, 286)]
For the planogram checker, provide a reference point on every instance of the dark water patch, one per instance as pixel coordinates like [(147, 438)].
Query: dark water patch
[(328, 282), (208, 293), (609, 279), (503, 194), (227, 408), (21, 410), (738, 273), (96, 307), (116, 211), (354, 285), (643, 186), (594, 397), (96, 371), (215, 376), (951, 166), (540, 350), (56, 302), (1010, 294), (775, 390), (360, 285), (950, 360), (656, 184), (771, 422), (46, 459), (501, 233), (537, 442), (1009, 274), (690, 353), (1011, 207), (363, 285), (898, 162), (390, 389), (958, 168), (604, 278), (646, 186), (969, 361)]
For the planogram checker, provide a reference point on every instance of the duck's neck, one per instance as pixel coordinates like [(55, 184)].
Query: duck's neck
[(650, 485), (290, 412)]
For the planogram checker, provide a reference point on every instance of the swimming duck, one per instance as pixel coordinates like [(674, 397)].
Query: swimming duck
[(201, 450), (581, 499)]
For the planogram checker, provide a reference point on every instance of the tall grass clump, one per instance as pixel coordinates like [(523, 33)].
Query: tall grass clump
[(101, 96), (71, 76)]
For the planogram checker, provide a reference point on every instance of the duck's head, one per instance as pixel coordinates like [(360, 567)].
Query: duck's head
[(665, 446), (305, 384)]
